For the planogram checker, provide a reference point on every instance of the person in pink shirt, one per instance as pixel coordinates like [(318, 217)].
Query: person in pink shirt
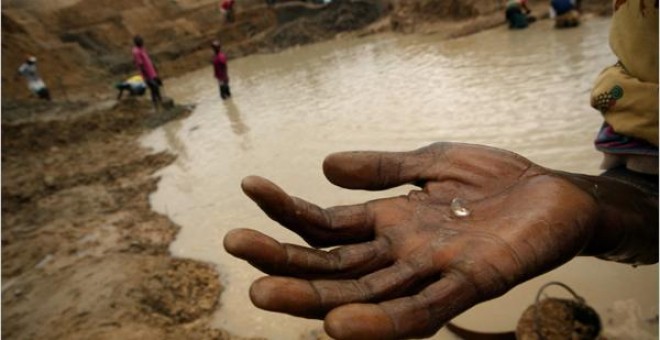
[(147, 69), (220, 70), (227, 8)]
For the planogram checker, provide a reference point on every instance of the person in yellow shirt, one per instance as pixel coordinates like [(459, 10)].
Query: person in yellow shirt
[(626, 93), (134, 85)]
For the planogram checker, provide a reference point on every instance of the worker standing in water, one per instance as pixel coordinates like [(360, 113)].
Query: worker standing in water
[(220, 70)]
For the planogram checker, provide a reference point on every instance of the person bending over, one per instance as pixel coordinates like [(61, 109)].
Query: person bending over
[(517, 14), (565, 13), (134, 85)]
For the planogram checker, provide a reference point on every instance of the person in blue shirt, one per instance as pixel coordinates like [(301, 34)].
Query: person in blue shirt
[(565, 13)]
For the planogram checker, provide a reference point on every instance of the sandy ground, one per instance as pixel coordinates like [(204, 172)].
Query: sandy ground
[(83, 254)]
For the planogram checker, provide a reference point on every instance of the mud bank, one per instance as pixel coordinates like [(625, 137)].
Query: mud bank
[(84, 257)]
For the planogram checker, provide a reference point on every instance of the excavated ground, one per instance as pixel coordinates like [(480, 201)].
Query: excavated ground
[(83, 254)]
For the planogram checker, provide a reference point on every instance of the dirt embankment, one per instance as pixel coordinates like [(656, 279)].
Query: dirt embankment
[(84, 256), (456, 18)]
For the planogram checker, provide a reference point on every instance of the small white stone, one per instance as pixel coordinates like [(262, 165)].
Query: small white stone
[(458, 208)]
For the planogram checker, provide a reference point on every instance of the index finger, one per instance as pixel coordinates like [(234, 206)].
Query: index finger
[(465, 164), (372, 170)]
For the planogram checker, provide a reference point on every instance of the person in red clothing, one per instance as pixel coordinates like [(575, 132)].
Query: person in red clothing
[(220, 69), (227, 7), (146, 67)]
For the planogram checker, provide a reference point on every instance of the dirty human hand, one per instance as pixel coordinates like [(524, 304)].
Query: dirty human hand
[(403, 266)]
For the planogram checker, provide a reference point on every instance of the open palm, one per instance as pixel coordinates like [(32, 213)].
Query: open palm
[(403, 266)]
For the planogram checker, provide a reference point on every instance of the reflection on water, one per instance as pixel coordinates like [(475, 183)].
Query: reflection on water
[(237, 125), (176, 144), (526, 91)]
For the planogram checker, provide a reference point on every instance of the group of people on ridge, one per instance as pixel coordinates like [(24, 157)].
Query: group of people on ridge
[(135, 85), (149, 75)]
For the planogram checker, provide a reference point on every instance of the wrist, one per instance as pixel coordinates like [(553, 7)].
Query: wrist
[(626, 228)]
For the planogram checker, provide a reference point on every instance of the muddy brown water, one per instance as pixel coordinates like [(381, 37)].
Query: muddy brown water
[(524, 91)]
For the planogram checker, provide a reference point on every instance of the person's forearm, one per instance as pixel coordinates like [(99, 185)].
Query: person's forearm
[(626, 228)]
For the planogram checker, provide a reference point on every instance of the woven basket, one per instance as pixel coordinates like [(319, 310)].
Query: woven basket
[(558, 319)]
